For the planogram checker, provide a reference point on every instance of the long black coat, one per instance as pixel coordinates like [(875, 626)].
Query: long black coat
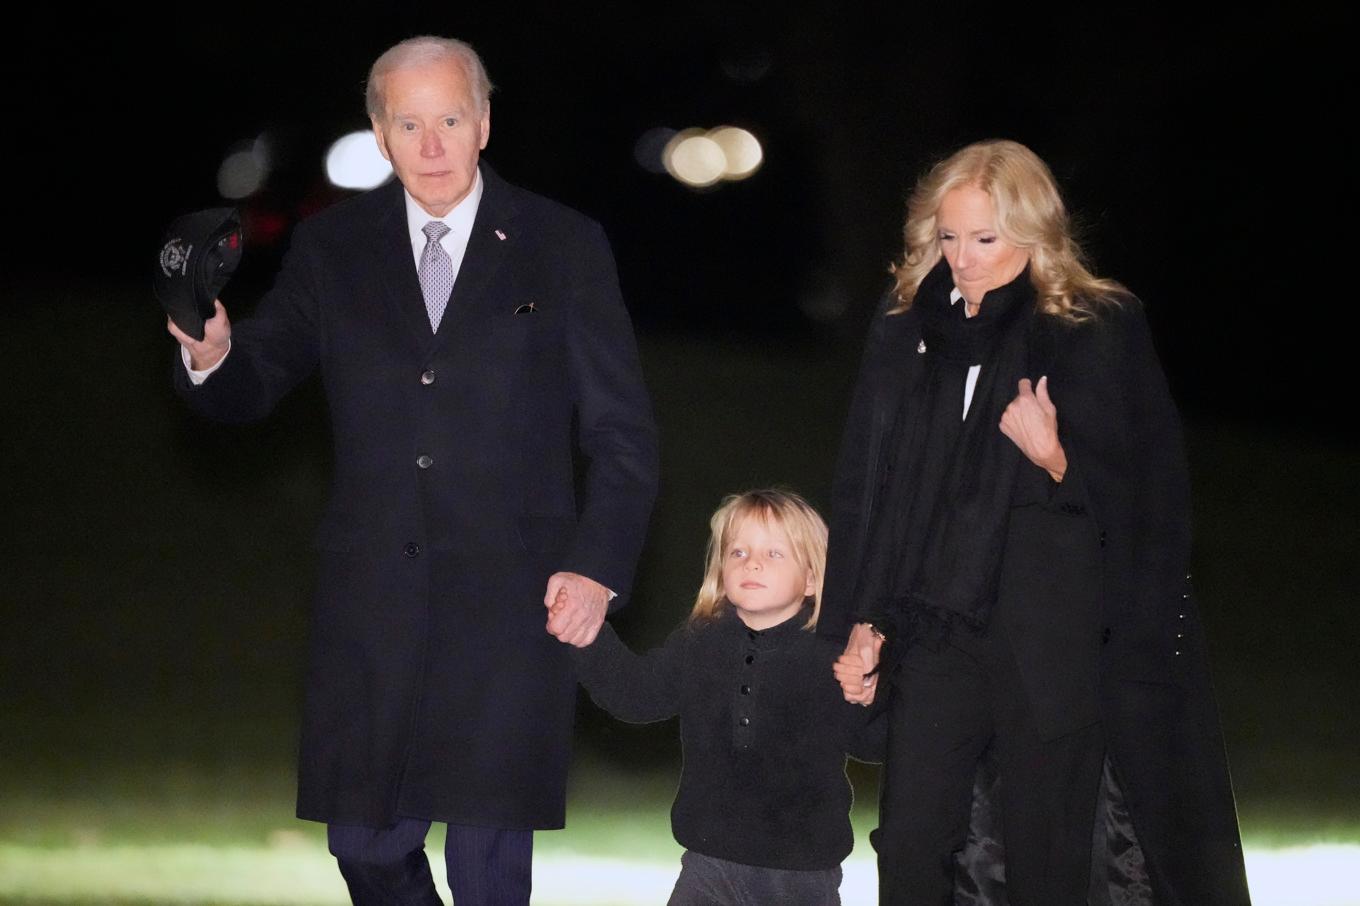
[(1148, 668), (433, 689)]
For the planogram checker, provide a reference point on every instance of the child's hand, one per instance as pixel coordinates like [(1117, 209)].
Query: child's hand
[(860, 659), (858, 688), (558, 603)]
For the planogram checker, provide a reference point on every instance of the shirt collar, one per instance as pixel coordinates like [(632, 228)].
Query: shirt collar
[(774, 635), (459, 220)]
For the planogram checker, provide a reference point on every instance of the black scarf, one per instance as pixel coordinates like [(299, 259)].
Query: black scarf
[(940, 525)]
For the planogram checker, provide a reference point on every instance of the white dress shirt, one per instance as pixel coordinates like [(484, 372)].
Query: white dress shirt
[(459, 221), (971, 383)]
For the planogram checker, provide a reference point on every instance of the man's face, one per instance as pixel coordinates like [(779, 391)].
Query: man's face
[(432, 133)]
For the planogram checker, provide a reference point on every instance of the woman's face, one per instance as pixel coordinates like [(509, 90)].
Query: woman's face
[(979, 258)]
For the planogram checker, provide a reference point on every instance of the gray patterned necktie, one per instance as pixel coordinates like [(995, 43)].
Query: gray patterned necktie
[(436, 272)]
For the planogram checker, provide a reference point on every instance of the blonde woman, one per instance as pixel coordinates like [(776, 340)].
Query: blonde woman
[(1011, 513)]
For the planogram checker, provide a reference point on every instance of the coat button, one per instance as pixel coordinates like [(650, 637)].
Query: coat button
[(1105, 636), (1102, 539), (750, 658), (424, 461), (427, 377), (745, 690), (411, 549), (745, 721)]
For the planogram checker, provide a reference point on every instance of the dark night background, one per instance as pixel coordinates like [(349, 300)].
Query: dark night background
[(157, 569)]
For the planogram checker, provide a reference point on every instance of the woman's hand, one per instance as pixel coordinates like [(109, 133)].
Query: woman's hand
[(1031, 422), (860, 658)]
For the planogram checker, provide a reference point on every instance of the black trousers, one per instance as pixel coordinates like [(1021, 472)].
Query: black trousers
[(947, 707), (709, 881), (387, 866)]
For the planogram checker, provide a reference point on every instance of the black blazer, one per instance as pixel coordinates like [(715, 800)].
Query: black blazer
[(433, 689), (1116, 532)]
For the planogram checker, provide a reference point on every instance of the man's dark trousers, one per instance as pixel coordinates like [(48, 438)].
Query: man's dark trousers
[(486, 866)]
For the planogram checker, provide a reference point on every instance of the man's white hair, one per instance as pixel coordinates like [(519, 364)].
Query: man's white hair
[(421, 51)]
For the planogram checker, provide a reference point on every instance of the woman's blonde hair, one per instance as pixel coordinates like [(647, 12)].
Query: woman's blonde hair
[(791, 513), (1029, 214)]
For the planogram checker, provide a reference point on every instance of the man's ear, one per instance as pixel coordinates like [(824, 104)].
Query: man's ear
[(485, 126), (382, 142)]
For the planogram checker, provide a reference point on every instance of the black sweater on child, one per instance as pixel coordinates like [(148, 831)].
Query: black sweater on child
[(764, 729)]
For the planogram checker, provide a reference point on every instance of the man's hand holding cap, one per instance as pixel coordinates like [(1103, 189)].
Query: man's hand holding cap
[(199, 254)]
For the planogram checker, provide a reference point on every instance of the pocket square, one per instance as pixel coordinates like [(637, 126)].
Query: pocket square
[(527, 308)]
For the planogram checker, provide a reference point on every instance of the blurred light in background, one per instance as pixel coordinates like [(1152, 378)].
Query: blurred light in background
[(744, 154), (244, 170), (650, 149), (694, 159), (700, 159), (354, 162), (747, 68), (823, 298)]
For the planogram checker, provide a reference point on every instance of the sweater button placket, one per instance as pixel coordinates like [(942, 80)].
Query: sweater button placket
[(741, 732)]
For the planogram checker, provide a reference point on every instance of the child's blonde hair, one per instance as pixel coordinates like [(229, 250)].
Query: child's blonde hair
[(790, 512)]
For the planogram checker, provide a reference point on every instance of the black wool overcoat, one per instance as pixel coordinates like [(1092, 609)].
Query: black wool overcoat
[(433, 690), (1147, 679)]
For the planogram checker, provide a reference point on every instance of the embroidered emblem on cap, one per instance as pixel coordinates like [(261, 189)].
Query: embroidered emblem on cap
[(175, 257), (921, 346)]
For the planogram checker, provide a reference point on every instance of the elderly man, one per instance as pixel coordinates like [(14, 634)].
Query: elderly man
[(473, 344)]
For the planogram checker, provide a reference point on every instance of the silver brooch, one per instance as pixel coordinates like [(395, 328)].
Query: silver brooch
[(921, 347)]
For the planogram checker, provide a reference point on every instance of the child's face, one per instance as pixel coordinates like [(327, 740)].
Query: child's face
[(761, 577)]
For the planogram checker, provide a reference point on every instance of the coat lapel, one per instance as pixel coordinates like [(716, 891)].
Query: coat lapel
[(893, 367), (493, 237), (396, 265), (902, 365)]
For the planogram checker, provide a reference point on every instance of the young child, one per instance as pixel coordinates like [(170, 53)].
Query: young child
[(763, 804)]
